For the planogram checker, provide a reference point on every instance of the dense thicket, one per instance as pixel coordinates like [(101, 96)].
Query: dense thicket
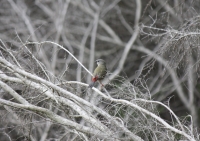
[(48, 51)]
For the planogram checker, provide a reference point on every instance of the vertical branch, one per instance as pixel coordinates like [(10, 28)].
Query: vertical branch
[(92, 44), (191, 85), (59, 26), (190, 81), (81, 51), (130, 42)]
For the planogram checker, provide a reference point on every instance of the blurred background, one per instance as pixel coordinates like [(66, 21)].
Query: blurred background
[(155, 42)]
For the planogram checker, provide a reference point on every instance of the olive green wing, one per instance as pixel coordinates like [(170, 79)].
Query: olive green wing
[(100, 72)]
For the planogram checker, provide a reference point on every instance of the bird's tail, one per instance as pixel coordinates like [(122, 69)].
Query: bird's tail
[(91, 84)]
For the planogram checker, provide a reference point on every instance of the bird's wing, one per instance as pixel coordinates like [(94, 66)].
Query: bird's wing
[(100, 72)]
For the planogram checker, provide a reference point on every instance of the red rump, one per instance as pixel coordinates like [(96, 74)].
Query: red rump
[(94, 79)]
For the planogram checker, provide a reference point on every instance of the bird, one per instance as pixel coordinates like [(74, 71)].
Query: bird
[(99, 72)]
